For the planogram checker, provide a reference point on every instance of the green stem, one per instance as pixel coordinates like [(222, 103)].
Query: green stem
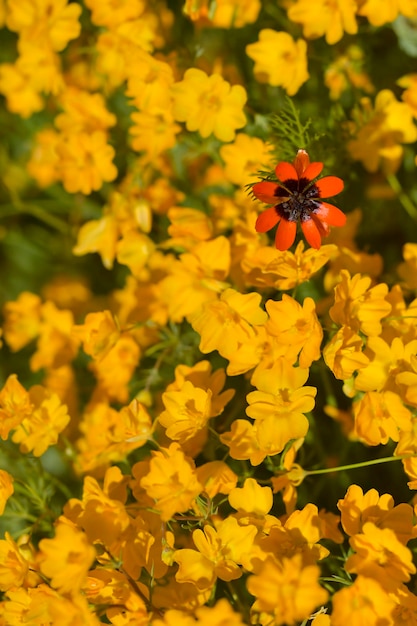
[(341, 468), (402, 197)]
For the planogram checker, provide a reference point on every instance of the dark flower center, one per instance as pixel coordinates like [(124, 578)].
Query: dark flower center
[(298, 200)]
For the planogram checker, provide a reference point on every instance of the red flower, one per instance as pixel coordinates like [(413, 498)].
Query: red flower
[(296, 198)]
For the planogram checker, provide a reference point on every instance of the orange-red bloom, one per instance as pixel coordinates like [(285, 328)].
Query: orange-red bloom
[(296, 198)]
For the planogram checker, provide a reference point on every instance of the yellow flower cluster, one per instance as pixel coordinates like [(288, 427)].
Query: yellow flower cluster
[(198, 428)]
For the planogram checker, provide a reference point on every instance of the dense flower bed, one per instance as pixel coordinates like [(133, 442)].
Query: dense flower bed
[(209, 364)]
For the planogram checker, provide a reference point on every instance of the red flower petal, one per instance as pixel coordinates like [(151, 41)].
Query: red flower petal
[(329, 186), (286, 171), (285, 235), (330, 214), (265, 192), (311, 233), (313, 170), (267, 220), (301, 162)]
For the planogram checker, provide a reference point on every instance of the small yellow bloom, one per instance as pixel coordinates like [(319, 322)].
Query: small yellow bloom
[(99, 334), (358, 305), (66, 558), (235, 13), (296, 326), (216, 477), (381, 556), (99, 236), (196, 278), (85, 161), (17, 563), (358, 507), (228, 322), (171, 481), (15, 406), (245, 157), (381, 13), (220, 551), (43, 426), (343, 354), (332, 19), (380, 131), (279, 404), (380, 416), (279, 60), (251, 498), (53, 20), (209, 104), (365, 602), (287, 590), (22, 320), (6, 487), (83, 112)]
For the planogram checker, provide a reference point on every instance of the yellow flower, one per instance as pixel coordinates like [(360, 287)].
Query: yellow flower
[(153, 133), (266, 266), (17, 563), (332, 19), (251, 498), (380, 131), (358, 305), (56, 346), (134, 250), (364, 602), (188, 226), (244, 157), (242, 443), (187, 411), (99, 236), (99, 334), (386, 362), (343, 354), (346, 72), (297, 327), (196, 278), (114, 371), (358, 507), (408, 270), (235, 13), (300, 534), (209, 104), (279, 60), (66, 558), (105, 13), (220, 551), (287, 590), (228, 322), (85, 161), (83, 112), (171, 481), (53, 20), (192, 400), (43, 426), (21, 96), (109, 435), (380, 555), (15, 406), (379, 14), (42, 165), (380, 416), (43, 605), (279, 404), (216, 477), (22, 320), (6, 487)]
